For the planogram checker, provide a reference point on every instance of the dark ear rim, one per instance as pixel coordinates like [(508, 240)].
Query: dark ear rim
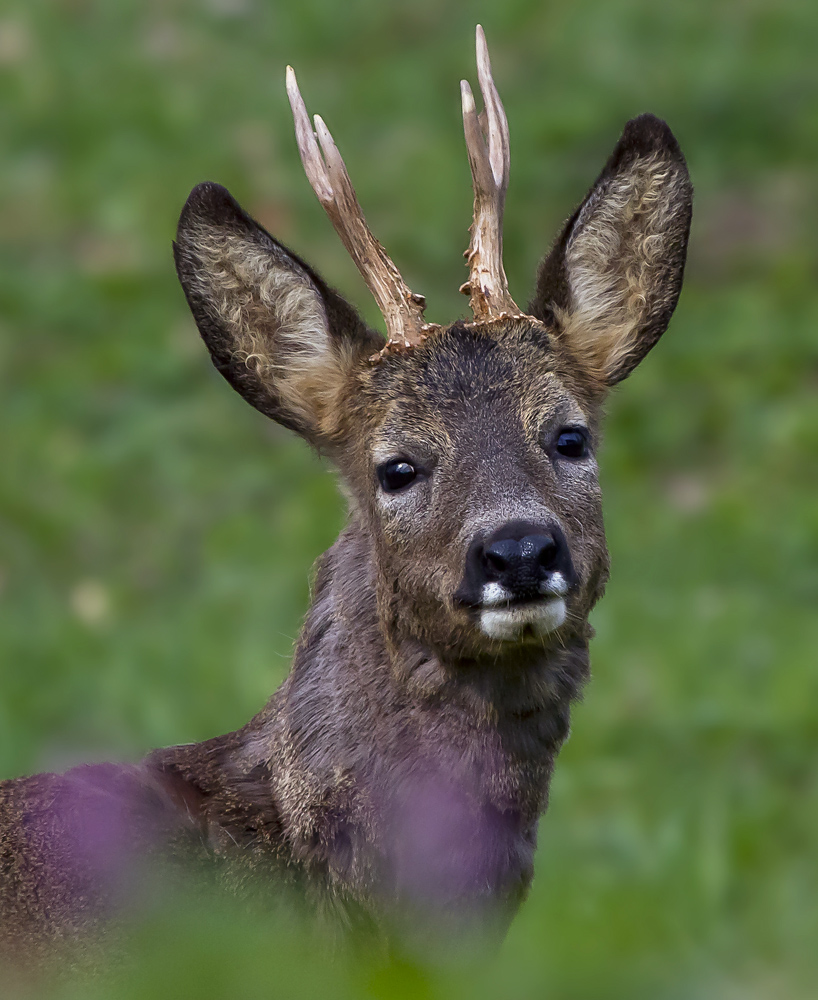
[(642, 137), (212, 206)]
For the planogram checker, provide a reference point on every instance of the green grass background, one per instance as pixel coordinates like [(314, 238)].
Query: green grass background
[(156, 534)]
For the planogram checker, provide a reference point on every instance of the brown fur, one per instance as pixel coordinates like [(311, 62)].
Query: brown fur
[(401, 770)]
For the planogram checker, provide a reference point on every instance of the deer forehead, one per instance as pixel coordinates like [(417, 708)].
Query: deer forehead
[(471, 386)]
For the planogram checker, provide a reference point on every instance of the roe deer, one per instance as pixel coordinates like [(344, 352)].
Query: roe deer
[(404, 764)]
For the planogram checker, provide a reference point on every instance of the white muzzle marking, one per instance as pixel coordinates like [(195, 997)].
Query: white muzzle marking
[(499, 619)]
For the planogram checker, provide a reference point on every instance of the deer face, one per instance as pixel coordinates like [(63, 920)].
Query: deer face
[(468, 451), (476, 476)]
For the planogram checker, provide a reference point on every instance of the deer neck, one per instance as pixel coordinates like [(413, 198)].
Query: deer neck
[(377, 741), (378, 759)]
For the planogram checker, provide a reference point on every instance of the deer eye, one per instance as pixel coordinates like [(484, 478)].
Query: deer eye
[(396, 474), (573, 442)]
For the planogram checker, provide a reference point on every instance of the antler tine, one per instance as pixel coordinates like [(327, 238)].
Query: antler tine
[(314, 166), (489, 159), (497, 130), (401, 308)]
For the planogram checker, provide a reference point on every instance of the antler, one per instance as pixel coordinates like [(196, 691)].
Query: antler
[(402, 309), (488, 149)]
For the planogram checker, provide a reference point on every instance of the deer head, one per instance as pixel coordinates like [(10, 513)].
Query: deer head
[(468, 450)]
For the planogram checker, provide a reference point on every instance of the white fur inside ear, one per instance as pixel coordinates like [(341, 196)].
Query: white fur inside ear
[(616, 258), (277, 322)]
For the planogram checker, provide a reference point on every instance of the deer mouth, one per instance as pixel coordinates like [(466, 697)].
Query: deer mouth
[(526, 615), (520, 608), (519, 619)]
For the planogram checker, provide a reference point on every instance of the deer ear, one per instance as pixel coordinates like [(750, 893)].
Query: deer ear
[(613, 277), (283, 339)]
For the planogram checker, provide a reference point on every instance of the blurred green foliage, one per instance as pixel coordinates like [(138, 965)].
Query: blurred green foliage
[(156, 534)]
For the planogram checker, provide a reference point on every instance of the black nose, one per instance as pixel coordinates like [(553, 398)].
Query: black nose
[(521, 557)]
